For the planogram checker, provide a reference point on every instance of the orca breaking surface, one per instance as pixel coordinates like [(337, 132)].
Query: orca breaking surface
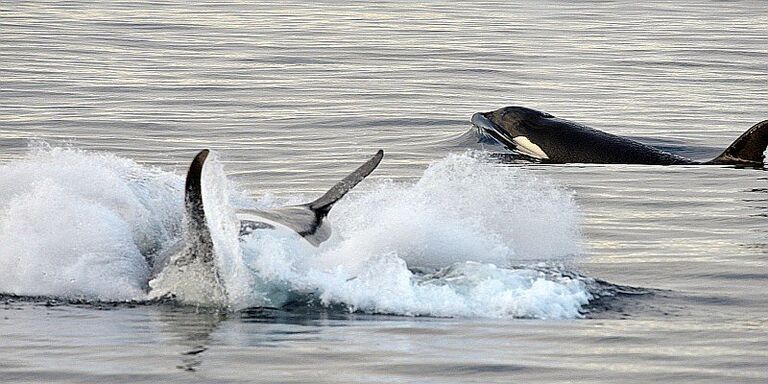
[(394, 250), (543, 137)]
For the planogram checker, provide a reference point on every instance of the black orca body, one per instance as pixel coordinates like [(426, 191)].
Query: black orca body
[(194, 255), (546, 138)]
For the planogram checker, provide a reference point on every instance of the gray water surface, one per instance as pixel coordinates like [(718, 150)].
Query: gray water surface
[(295, 95)]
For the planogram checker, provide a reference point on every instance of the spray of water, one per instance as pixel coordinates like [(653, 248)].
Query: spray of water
[(80, 224)]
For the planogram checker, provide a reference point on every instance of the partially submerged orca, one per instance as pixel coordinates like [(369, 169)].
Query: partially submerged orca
[(546, 138), (194, 252)]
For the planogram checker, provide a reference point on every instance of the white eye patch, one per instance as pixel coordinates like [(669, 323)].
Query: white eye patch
[(526, 147)]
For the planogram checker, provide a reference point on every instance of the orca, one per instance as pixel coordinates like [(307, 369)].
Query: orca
[(194, 256), (542, 137)]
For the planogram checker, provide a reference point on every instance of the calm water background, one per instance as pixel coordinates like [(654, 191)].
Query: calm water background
[(293, 95)]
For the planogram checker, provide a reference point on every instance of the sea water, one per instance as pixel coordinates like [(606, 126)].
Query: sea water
[(443, 266)]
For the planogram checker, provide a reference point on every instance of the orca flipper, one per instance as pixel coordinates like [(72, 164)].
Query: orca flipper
[(323, 205), (748, 149)]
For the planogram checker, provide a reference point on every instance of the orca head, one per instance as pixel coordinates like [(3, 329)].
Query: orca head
[(518, 128)]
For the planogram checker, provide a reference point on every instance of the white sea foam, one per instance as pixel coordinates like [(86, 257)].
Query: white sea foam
[(225, 229), (81, 224), (464, 216)]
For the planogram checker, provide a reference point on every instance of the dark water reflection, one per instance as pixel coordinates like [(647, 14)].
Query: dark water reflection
[(148, 344)]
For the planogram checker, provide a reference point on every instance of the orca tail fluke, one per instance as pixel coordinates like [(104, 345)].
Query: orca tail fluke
[(323, 205), (748, 149), (308, 219)]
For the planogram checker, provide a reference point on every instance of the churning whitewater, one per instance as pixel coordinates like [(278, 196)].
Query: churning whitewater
[(468, 239)]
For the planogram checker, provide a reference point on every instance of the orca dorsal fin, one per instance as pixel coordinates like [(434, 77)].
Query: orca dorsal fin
[(197, 227), (323, 205), (748, 149), (187, 271), (193, 190)]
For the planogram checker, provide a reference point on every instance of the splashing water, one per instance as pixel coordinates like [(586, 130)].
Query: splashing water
[(78, 224), (464, 215)]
